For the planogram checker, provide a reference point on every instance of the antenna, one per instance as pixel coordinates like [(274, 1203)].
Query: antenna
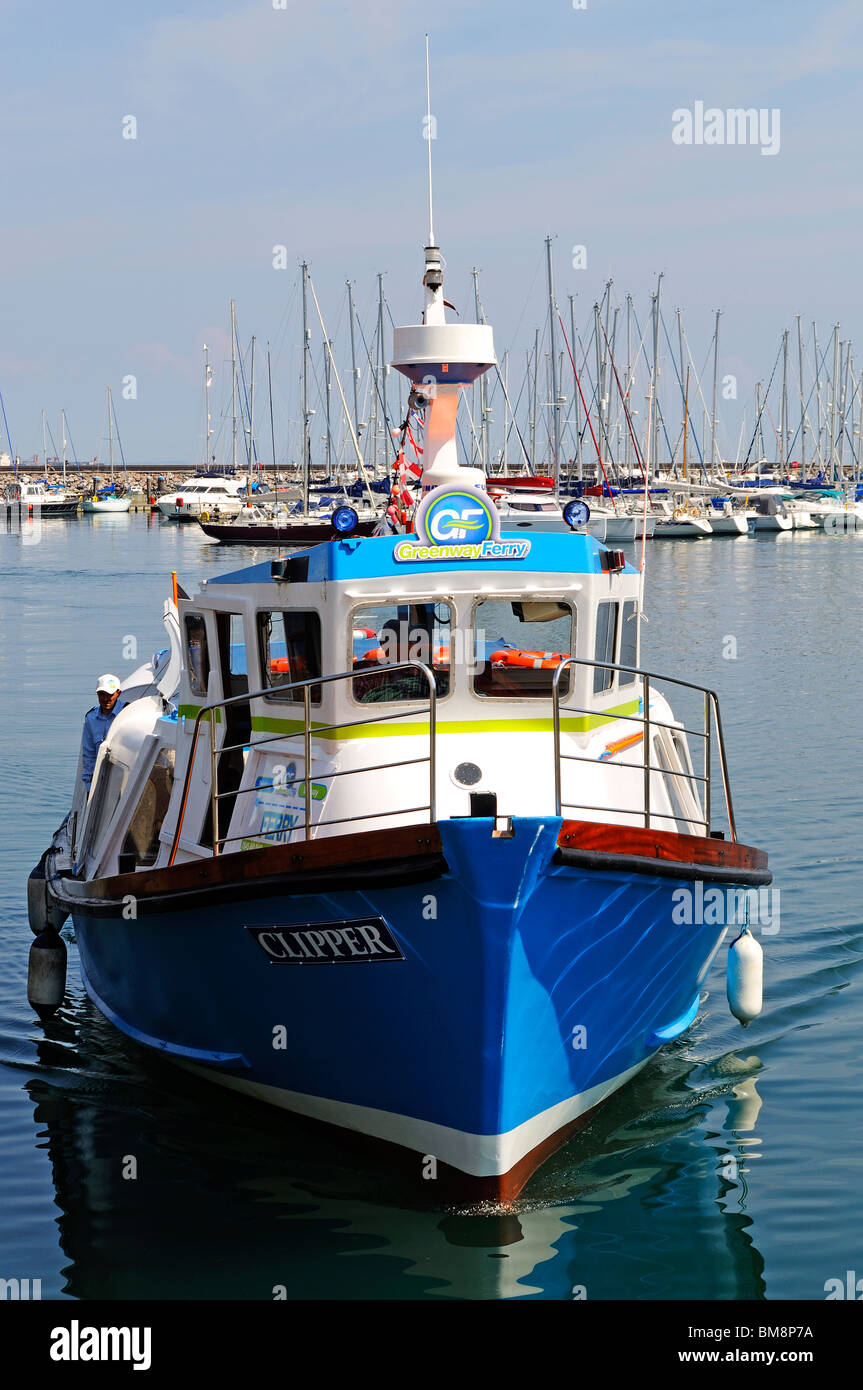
[(431, 240)]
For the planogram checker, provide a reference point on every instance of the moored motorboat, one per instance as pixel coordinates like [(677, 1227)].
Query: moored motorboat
[(24, 498), (393, 835), (204, 497)]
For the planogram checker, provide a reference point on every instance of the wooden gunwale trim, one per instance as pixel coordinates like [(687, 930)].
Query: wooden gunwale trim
[(360, 849), (638, 842)]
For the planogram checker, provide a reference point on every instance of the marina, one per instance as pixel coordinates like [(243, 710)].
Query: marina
[(416, 886)]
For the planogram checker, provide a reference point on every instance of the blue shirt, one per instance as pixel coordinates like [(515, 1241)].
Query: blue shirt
[(96, 726)]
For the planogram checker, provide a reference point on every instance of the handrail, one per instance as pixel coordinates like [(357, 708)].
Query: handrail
[(711, 705), (306, 686)]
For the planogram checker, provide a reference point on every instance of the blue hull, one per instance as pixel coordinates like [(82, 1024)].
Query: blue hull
[(528, 991)]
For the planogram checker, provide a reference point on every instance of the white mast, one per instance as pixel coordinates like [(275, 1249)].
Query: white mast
[(431, 240), (834, 404), (307, 414), (110, 436), (63, 446), (234, 385), (802, 401), (440, 358), (44, 447), (251, 425), (555, 403), (208, 376), (713, 410)]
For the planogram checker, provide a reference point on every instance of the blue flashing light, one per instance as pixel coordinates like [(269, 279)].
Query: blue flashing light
[(576, 513), (345, 520)]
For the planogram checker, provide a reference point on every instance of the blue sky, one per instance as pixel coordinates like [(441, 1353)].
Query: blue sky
[(302, 127)]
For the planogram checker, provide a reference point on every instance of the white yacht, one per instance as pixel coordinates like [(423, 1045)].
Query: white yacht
[(725, 521), (28, 498), (523, 510), (203, 498)]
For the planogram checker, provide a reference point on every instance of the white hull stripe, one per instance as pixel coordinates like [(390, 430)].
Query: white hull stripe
[(482, 1155)]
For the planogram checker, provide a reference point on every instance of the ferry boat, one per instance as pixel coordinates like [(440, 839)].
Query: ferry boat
[(392, 834)]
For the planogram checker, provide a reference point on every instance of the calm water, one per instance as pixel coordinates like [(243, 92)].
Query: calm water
[(729, 1169)]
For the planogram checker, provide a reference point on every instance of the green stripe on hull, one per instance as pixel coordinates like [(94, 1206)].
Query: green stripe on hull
[(191, 712), (574, 724)]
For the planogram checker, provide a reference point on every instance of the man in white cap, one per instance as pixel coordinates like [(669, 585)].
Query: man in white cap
[(97, 722)]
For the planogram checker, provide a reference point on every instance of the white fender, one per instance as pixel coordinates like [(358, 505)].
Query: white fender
[(744, 977)]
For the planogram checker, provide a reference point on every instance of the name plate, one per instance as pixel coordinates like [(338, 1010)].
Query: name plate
[(361, 941)]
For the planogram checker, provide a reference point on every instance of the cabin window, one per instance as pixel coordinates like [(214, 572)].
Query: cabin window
[(290, 651), (197, 653), (142, 838), (606, 638), (628, 641), (384, 635), (519, 644)]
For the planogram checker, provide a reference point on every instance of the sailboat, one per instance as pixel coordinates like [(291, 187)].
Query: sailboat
[(107, 499), (403, 820), (293, 519)]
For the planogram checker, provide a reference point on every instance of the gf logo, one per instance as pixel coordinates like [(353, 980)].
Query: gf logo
[(450, 515)]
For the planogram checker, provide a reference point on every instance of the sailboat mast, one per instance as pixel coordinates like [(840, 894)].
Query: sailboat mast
[(802, 401), (44, 447), (533, 400), (655, 392), (251, 424), (843, 410), (783, 419), (354, 373), (574, 341), (382, 368), (63, 444), (817, 395), (685, 419), (715, 381), (110, 436), (555, 403), (327, 402), (834, 403), (206, 404), (483, 408), (603, 452), (306, 440), (272, 425), (504, 459), (233, 387)]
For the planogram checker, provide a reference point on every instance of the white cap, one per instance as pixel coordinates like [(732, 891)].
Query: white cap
[(108, 683)]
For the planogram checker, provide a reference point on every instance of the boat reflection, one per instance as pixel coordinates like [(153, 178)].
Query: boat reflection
[(232, 1200)]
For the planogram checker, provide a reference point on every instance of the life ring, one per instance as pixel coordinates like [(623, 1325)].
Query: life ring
[(536, 661), (205, 516), (360, 632), (439, 658)]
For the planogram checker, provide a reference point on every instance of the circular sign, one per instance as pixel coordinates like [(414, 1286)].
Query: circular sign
[(457, 516)]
